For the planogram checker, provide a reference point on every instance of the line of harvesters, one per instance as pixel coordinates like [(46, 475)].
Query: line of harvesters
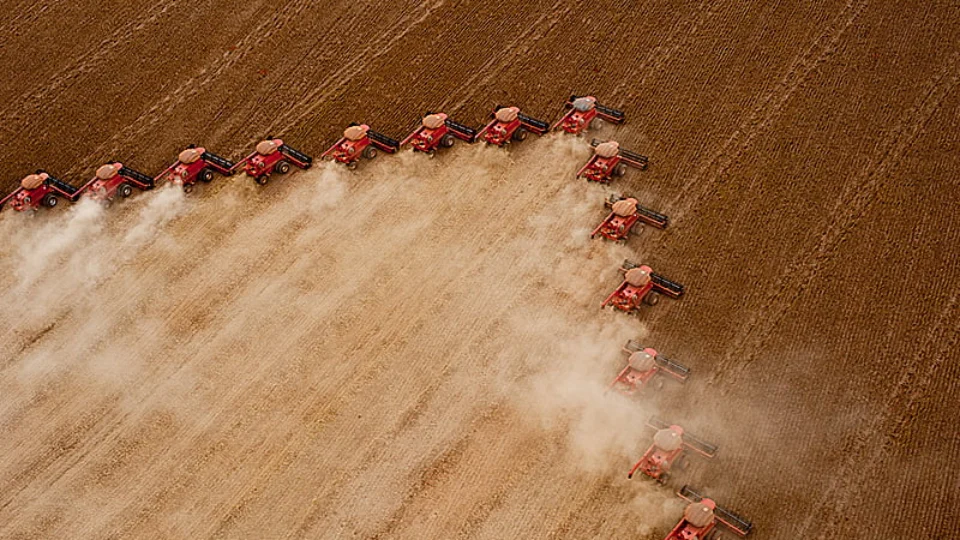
[(670, 445)]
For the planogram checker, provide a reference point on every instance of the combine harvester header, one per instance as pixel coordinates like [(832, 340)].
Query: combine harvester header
[(668, 450), (114, 179), (193, 164), (509, 124), (360, 141), (625, 212), (437, 130), (643, 364), (609, 160), (703, 517), (641, 286), (272, 156), (40, 189), (584, 112)]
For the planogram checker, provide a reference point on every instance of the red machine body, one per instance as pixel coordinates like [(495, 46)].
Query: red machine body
[(272, 156), (609, 160), (360, 141), (436, 130), (509, 124), (702, 519), (39, 189), (643, 364), (624, 214), (641, 285), (583, 112), (195, 164), (114, 179), (668, 448)]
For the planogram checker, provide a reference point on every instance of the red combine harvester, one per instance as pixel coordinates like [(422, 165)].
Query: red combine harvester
[(583, 113), (360, 141), (624, 214), (114, 179), (195, 164), (437, 130), (643, 364), (668, 450), (609, 160), (509, 124), (702, 519), (272, 156), (641, 285), (40, 189)]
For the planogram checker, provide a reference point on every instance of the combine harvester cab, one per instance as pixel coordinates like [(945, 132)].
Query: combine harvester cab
[(668, 450), (359, 141), (436, 130), (609, 160), (625, 212), (272, 156), (195, 164), (40, 189), (702, 519), (114, 179), (509, 124), (641, 286), (583, 113), (643, 364)]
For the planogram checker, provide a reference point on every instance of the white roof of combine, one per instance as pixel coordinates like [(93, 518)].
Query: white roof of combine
[(265, 148), (607, 149), (32, 181), (625, 207), (354, 133), (107, 171), (638, 277), (432, 121), (507, 114)]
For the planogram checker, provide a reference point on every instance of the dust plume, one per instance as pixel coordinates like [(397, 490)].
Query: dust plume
[(163, 206), (40, 248)]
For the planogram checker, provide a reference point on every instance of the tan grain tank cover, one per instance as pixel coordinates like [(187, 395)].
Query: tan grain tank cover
[(107, 171), (583, 104), (642, 361), (607, 149), (698, 514), (625, 207), (432, 121), (32, 181), (637, 277), (190, 155), (507, 114), (667, 440), (354, 133), (265, 148)]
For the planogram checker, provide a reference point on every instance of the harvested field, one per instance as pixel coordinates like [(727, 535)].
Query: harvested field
[(414, 349)]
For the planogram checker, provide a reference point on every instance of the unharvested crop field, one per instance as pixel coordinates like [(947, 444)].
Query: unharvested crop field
[(414, 349)]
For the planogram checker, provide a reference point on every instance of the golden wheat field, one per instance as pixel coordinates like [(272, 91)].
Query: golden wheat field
[(414, 349)]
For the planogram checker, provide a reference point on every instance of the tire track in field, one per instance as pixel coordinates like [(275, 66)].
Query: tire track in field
[(683, 31), (305, 107), (88, 62), (24, 17), (194, 85), (899, 411), (850, 208), (239, 388), (104, 429), (496, 65), (440, 467), (514, 206), (704, 182), (288, 231)]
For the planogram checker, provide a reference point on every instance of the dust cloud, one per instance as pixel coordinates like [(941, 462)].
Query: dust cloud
[(307, 258)]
